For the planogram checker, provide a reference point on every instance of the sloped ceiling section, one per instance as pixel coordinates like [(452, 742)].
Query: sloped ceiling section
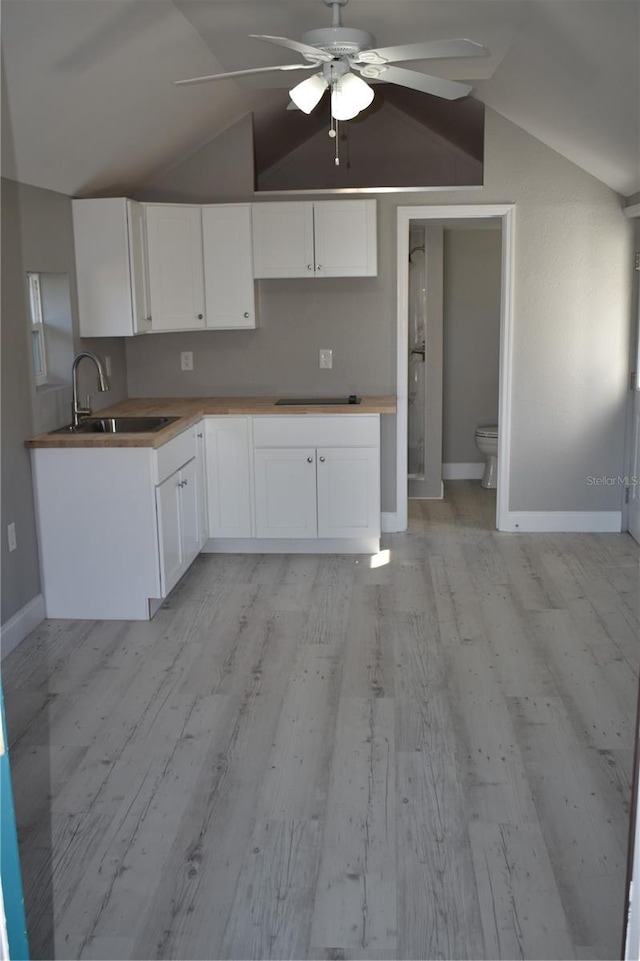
[(92, 107), (91, 103)]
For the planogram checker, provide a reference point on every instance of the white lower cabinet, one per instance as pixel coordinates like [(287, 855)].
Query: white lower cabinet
[(119, 526), (329, 488), (348, 492), (228, 476), (285, 489), (178, 535)]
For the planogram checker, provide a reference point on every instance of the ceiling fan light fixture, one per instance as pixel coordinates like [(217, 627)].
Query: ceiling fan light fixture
[(308, 94), (349, 95)]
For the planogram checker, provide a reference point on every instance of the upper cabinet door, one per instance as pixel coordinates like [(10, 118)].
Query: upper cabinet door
[(228, 266), (110, 267), (138, 268), (345, 236), (176, 276), (283, 239)]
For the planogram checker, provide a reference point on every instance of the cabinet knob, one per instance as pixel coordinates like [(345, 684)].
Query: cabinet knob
[(309, 266), (318, 266), (200, 316), (309, 460), (199, 435), (322, 460), (246, 313)]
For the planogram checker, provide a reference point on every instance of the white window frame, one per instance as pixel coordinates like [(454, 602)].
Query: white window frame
[(36, 326)]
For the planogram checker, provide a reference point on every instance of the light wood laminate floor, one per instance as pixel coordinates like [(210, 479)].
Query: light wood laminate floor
[(311, 757)]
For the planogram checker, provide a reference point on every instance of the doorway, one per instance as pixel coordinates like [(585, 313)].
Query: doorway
[(409, 217), (453, 351)]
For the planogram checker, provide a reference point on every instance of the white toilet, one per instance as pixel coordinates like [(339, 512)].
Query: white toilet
[(487, 444)]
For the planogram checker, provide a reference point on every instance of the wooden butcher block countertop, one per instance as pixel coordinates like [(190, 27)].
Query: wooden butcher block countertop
[(191, 409)]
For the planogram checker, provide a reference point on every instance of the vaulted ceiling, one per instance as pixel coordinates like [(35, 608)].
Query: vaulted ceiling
[(89, 102)]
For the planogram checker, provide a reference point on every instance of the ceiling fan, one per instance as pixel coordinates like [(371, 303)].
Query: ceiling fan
[(342, 56)]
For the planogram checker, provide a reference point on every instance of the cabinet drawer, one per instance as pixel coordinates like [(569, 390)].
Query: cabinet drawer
[(176, 452), (309, 430)]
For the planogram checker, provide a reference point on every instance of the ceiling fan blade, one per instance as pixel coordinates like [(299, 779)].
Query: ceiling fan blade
[(433, 50), (243, 73), (304, 48), (449, 89)]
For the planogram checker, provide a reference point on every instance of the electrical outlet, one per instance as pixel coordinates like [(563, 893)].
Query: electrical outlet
[(11, 536), (326, 359), (107, 365), (186, 360)]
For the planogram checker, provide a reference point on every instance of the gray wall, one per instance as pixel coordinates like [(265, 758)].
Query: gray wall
[(471, 347), (37, 235), (221, 170), (571, 337)]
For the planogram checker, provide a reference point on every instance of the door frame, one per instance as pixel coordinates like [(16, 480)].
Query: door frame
[(506, 212), (634, 388)]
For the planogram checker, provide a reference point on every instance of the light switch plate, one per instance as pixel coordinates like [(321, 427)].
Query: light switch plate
[(326, 358), (186, 360)]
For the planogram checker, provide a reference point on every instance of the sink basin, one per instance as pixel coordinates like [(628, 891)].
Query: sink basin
[(116, 425)]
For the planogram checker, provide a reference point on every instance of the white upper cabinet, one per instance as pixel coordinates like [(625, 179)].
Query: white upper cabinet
[(325, 238), (176, 273), (283, 239), (345, 238), (111, 261), (228, 266)]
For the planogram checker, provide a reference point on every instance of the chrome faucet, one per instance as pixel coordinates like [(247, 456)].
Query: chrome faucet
[(77, 412)]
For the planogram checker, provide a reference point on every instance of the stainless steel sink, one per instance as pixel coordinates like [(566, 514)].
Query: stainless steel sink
[(116, 425)]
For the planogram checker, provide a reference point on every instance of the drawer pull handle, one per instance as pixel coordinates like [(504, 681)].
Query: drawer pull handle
[(246, 313)]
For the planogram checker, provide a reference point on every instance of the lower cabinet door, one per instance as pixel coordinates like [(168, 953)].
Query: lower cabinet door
[(169, 538), (228, 476), (285, 492), (348, 492), (189, 526)]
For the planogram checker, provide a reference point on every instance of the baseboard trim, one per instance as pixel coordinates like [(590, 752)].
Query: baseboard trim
[(21, 624), (462, 471), (585, 522), (389, 522), (316, 545)]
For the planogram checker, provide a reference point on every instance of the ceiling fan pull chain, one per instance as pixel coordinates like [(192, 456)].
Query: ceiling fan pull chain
[(337, 138)]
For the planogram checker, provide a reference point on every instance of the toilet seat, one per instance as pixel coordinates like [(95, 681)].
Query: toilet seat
[(491, 431)]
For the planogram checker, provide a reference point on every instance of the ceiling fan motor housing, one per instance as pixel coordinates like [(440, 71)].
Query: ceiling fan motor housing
[(338, 41)]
